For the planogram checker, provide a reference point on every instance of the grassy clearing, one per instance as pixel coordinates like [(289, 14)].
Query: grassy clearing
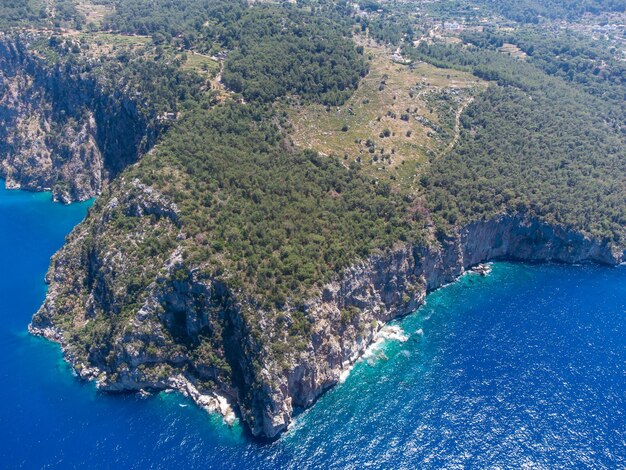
[(94, 13), (202, 64), (107, 43), (400, 117), (513, 51), (205, 65)]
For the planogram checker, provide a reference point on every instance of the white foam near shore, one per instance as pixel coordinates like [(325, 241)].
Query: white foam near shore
[(344, 375), (387, 333), (213, 403), (391, 332), (372, 352)]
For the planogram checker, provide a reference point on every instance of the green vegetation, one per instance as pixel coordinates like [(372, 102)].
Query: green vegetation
[(65, 13), (274, 51), (532, 144), (30, 13), (281, 220), (594, 66), (15, 12), (532, 11), (300, 142), (156, 83), (390, 26), (399, 115), (274, 220), (289, 52), (188, 22)]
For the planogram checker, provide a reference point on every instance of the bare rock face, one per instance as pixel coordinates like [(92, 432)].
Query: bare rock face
[(392, 285), (135, 318), (58, 131), (134, 313)]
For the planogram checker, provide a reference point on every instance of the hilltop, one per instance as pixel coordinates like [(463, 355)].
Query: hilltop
[(275, 182)]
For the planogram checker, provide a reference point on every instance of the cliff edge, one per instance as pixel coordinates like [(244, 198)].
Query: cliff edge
[(61, 128), (193, 332)]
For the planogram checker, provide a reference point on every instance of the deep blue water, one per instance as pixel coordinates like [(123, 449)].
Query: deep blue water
[(524, 367)]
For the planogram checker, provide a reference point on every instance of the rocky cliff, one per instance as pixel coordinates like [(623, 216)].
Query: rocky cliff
[(137, 303), (170, 325), (59, 130), (392, 285)]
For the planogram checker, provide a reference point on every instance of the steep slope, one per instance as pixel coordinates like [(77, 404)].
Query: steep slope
[(160, 289), (192, 331), (64, 127), (248, 273)]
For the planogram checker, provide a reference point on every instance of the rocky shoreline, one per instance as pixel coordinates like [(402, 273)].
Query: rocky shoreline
[(132, 313), (212, 403), (59, 130), (383, 288), (388, 287)]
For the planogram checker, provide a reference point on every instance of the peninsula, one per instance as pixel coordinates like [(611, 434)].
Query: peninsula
[(276, 181)]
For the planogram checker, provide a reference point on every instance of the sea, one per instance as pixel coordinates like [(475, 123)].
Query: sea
[(524, 368)]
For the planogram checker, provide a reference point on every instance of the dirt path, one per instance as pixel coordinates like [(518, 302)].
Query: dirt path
[(457, 125), (203, 55)]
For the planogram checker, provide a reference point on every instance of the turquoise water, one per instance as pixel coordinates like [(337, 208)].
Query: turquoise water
[(524, 367)]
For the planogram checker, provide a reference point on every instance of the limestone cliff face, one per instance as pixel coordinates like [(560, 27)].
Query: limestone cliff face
[(133, 311), (389, 286), (59, 131), (134, 316)]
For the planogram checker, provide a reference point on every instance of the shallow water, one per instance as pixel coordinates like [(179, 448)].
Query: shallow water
[(524, 367)]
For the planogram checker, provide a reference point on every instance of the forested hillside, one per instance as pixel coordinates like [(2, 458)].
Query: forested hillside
[(318, 167), (274, 219), (594, 66), (272, 51), (28, 13), (531, 11), (167, 20), (531, 143), (545, 138), (278, 55), (18, 11)]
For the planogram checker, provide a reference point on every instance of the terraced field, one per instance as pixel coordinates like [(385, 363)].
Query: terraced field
[(401, 117)]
